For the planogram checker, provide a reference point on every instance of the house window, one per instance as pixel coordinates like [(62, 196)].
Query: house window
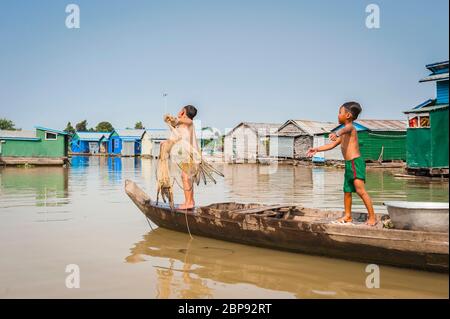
[(414, 122), (419, 121), (424, 121), (50, 136)]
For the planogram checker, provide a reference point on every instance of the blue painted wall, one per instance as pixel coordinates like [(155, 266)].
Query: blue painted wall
[(137, 147), (115, 145), (442, 92), (78, 146)]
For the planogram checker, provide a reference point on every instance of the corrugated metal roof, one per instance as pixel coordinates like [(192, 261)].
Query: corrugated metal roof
[(259, 128), (433, 67), (19, 134), (92, 136), (130, 133), (263, 129), (47, 129), (435, 77), (158, 134), (427, 108), (424, 104), (383, 125), (315, 127)]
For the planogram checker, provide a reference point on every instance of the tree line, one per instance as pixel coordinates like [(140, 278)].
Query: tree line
[(82, 126)]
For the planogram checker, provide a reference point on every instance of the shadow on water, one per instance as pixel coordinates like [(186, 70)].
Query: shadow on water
[(186, 268)]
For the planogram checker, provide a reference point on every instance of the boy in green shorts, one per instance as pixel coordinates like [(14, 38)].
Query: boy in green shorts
[(355, 167)]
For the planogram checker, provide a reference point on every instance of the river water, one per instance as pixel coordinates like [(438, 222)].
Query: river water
[(52, 218)]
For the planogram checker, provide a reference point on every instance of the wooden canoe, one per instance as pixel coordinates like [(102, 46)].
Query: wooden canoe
[(302, 230)]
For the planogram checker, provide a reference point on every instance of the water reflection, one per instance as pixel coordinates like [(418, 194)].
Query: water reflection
[(115, 169), (321, 187), (189, 268), (38, 186), (89, 197)]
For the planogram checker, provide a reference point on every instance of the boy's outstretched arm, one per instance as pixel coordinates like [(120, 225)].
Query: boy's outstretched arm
[(323, 148), (345, 130)]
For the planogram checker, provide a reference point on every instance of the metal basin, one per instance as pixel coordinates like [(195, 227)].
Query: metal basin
[(425, 216)]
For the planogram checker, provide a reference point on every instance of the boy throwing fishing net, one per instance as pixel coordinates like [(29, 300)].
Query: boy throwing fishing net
[(355, 167), (182, 149)]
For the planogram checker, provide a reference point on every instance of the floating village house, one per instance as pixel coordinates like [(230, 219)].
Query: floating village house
[(293, 139), (89, 142), (43, 146), (379, 140), (427, 135), (248, 142), (151, 141), (209, 140), (125, 142)]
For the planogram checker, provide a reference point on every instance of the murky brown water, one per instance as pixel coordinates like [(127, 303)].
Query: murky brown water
[(52, 217)]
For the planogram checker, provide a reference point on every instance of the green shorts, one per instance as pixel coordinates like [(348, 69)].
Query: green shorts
[(354, 169)]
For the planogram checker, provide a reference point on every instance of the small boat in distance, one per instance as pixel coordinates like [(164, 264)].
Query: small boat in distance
[(302, 230)]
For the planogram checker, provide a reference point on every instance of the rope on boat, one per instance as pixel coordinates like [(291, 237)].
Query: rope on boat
[(187, 224), (148, 222)]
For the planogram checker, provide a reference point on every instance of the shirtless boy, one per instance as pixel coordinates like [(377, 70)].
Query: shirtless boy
[(355, 167), (186, 150)]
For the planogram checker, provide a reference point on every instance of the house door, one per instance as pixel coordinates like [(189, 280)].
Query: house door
[(234, 148), (128, 148), (317, 142), (66, 145), (285, 147), (155, 149)]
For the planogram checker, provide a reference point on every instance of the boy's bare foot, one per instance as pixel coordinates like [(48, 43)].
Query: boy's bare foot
[(371, 222), (186, 206), (345, 219)]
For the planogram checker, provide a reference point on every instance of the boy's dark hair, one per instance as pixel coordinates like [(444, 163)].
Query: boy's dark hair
[(354, 108), (191, 111)]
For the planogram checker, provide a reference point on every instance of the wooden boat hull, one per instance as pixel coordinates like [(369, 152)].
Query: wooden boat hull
[(308, 231), (36, 161)]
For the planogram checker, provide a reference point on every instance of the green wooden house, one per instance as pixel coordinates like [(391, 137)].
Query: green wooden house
[(379, 140), (43, 146), (427, 135)]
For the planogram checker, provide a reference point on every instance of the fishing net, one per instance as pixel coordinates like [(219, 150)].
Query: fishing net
[(181, 153)]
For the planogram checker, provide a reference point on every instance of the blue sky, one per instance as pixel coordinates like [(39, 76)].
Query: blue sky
[(263, 61)]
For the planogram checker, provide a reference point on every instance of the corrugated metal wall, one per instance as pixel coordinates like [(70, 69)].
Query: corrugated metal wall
[(243, 148), (439, 137), (428, 147), (442, 92), (128, 148), (418, 147), (42, 148), (281, 146), (392, 143)]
